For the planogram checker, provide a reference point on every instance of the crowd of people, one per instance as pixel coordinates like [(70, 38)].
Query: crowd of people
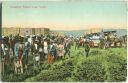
[(17, 49)]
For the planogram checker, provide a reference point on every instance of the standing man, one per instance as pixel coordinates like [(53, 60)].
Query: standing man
[(26, 52), (18, 51), (87, 48), (4, 55), (67, 47), (41, 48)]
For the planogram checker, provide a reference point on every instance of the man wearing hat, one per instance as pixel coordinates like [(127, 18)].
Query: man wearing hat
[(18, 51), (87, 48), (26, 51), (41, 48), (67, 47), (4, 54)]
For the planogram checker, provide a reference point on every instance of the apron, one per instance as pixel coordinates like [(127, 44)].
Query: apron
[(37, 58), (45, 48), (61, 50)]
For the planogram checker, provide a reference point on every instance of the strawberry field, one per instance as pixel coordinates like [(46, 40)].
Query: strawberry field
[(102, 65)]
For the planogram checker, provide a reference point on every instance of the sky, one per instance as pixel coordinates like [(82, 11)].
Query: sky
[(64, 15)]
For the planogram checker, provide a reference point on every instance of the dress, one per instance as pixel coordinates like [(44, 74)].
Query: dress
[(61, 50)]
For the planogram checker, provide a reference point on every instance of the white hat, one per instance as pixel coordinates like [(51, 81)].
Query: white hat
[(2, 36)]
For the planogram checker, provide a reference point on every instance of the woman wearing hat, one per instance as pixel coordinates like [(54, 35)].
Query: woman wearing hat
[(52, 52), (61, 50)]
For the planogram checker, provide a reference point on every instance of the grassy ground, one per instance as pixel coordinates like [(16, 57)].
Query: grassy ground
[(101, 65)]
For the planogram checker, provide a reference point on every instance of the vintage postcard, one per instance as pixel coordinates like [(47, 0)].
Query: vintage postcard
[(63, 41)]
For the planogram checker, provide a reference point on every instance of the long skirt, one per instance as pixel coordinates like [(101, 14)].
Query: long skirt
[(50, 59)]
